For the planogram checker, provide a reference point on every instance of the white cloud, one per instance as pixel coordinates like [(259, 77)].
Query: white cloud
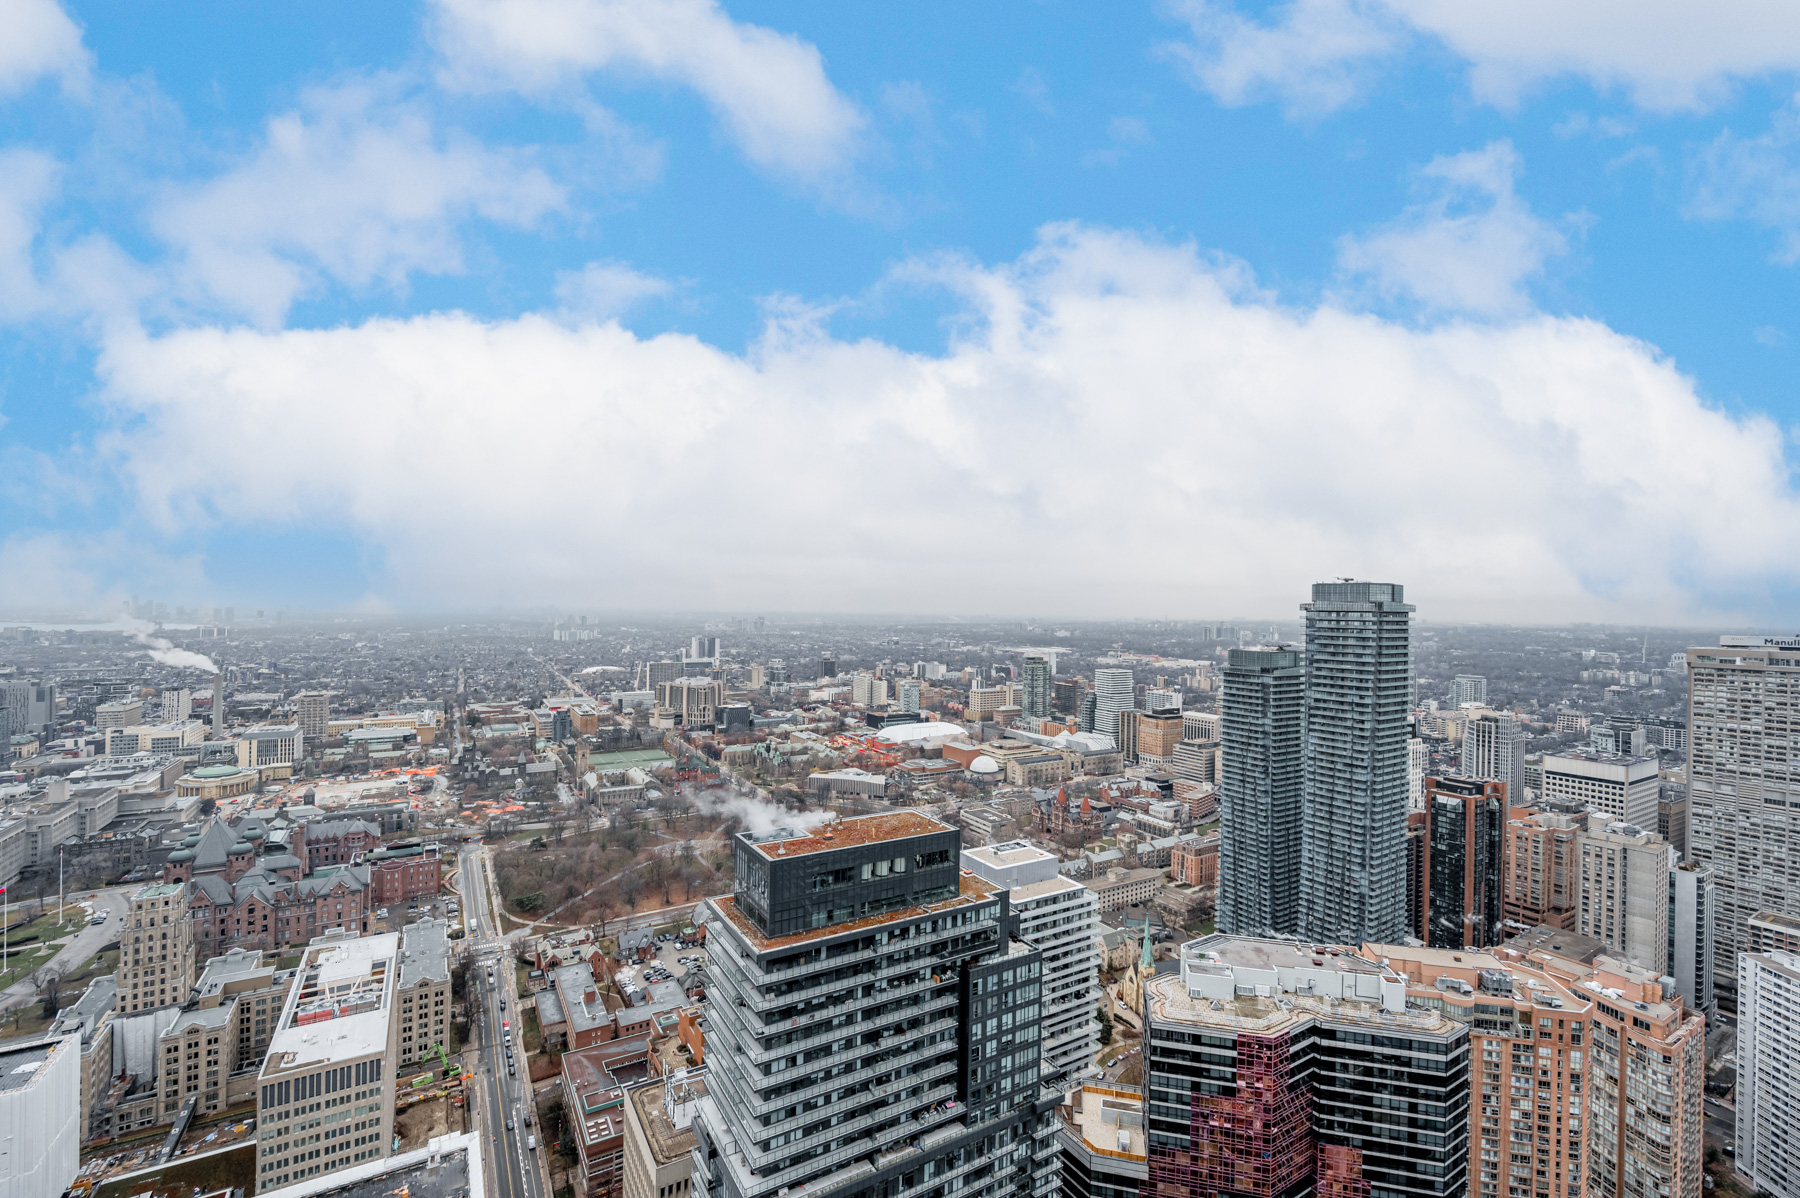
[(1289, 436), (28, 179), (769, 89), (1471, 247), (348, 189), (1752, 178), (38, 40), (1318, 55), (604, 290), (1315, 57)]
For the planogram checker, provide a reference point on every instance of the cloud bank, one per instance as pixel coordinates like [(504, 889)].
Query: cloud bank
[(1318, 55), (1125, 427)]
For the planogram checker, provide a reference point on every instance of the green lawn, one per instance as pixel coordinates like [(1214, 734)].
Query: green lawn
[(38, 949)]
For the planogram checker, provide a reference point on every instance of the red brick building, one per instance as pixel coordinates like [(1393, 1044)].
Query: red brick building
[(404, 871)]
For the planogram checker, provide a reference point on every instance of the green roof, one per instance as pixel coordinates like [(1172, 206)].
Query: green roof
[(627, 759), (217, 771)]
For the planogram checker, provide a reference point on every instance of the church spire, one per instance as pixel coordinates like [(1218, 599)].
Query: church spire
[(1144, 962)]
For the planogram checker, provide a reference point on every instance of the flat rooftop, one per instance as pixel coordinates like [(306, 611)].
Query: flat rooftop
[(20, 1065), (447, 1167), (339, 1006), (1013, 852), (847, 833), (972, 889), (1111, 1119), (1572, 946), (665, 1110)]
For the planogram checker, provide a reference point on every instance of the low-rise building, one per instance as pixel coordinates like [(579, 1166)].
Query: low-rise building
[(1119, 888)]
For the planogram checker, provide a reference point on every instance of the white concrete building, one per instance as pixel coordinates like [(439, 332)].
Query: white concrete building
[(1625, 788), (40, 1116), (1115, 690), (1623, 900), (1768, 1088), (1058, 917), (325, 1097)]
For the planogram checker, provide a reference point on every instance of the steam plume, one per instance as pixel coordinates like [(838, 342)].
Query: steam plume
[(163, 651), (759, 816)]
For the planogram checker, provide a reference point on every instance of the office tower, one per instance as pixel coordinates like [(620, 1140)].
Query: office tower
[(1623, 738), (1625, 788), (177, 704), (658, 672), (1542, 883), (1468, 688), (1125, 735), (1036, 701), (1065, 696), (703, 648), (1624, 895), (1692, 905), (1089, 715), (759, 676), (1260, 709), (331, 1062), (907, 694), (1529, 1057), (692, 699), (828, 667), (1418, 881), (1158, 735), (1418, 759), (1768, 1088), (1115, 690), (878, 693), (1353, 810), (41, 1120), (312, 711), (1493, 748), (156, 949), (1160, 699), (123, 713), (1743, 781), (1465, 845), (1058, 916), (1201, 726), (26, 706), (1260, 1060), (872, 1027)]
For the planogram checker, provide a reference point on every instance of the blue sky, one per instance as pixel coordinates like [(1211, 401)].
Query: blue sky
[(791, 307)]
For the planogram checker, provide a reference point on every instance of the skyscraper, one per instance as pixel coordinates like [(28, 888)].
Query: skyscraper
[(1468, 688), (1036, 703), (1115, 690), (1465, 844), (312, 711), (1744, 783), (1259, 798), (1493, 750), (1768, 1088), (873, 1028), (1353, 839)]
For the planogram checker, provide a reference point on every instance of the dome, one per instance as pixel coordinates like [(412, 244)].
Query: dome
[(192, 839), (254, 835), (181, 856), (242, 846), (984, 765), (215, 771)]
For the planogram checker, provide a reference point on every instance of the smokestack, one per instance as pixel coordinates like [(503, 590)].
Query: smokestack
[(218, 706)]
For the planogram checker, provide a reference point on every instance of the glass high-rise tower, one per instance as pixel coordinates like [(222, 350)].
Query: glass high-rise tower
[(1260, 712), (1354, 763), (1035, 703)]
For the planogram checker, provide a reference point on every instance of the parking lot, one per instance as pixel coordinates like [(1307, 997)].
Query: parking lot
[(400, 914), (671, 963)]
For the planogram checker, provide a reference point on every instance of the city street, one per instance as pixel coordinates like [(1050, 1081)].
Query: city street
[(514, 1171), (84, 944)]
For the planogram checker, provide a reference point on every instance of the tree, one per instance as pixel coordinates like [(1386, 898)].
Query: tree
[(1106, 1025), (49, 985)]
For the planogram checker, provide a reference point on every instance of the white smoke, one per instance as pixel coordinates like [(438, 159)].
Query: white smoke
[(759, 816), (163, 651)]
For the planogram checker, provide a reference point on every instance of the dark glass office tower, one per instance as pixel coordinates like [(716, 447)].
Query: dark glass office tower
[(1260, 711), (1353, 841)]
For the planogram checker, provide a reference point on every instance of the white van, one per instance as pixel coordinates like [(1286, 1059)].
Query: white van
[(531, 1141)]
